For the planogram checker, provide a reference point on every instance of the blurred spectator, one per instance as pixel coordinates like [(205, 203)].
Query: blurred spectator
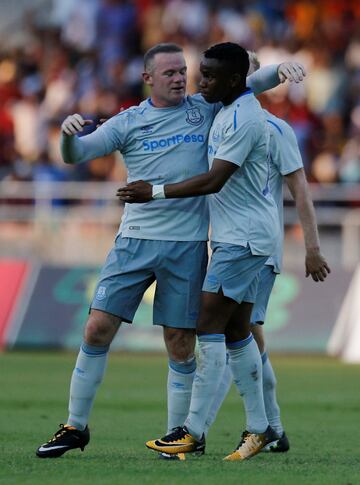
[(28, 121), (86, 56), (349, 164)]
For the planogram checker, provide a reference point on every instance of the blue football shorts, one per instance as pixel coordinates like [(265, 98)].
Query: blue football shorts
[(133, 265), (234, 270), (264, 289)]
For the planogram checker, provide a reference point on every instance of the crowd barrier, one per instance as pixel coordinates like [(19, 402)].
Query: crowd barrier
[(45, 306)]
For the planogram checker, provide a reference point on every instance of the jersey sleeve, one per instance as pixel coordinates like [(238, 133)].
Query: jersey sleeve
[(263, 79), (286, 156), (237, 143), (103, 141), (114, 131)]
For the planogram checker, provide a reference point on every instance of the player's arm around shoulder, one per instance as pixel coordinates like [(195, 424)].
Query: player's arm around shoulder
[(269, 77), (315, 263)]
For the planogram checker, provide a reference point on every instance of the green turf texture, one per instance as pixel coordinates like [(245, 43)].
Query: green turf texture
[(319, 397)]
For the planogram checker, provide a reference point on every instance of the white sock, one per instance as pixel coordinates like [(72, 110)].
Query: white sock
[(246, 367), (221, 393), (207, 379), (269, 388), (86, 377), (179, 386)]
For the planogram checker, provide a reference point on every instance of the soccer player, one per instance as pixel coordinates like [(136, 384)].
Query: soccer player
[(244, 230), (286, 164), (163, 140)]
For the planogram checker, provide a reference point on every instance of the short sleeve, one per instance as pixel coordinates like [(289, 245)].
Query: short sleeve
[(286, 153), (237, 143)]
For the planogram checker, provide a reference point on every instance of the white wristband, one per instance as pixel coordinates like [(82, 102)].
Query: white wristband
[(158, 192)]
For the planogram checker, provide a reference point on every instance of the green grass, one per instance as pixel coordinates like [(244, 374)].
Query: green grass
[(320, 401)]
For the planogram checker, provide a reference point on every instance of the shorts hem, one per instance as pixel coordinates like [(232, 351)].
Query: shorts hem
[(183, 326), (114, 313), (224, 292), (257, 322)]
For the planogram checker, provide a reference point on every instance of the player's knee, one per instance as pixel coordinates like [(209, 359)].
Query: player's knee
[(209, 322), (96, 333), (100, 330), (180, 343), (215, 312)]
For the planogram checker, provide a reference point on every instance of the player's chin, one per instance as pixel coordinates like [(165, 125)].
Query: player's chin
[(208, 97), (177, 94)]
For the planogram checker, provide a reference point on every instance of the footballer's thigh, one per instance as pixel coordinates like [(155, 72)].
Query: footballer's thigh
[(267, 278), (215, 312), (233, 273), (265, 286), (127, 273), (179, 276), (239, 327)]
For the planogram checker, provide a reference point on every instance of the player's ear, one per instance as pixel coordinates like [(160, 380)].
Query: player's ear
[(147, 78), (235, 79)]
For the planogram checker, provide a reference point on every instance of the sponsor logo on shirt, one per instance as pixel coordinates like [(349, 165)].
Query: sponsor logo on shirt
[(194, 116), (146, 130), (158, 144)]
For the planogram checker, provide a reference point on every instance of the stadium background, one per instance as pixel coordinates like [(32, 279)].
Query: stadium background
[(58, 222)]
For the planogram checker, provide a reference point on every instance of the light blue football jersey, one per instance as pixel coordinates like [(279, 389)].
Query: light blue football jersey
[(160, 146), (163, 146), (244, 211), (285, 158)]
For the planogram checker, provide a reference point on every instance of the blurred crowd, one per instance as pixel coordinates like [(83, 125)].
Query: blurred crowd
[(85, 56)]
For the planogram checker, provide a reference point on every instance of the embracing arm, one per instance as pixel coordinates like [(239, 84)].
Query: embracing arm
[(269, 77), (206, 183), (315, 263)]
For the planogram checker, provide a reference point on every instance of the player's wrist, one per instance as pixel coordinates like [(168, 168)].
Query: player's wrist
[(158, 192), (313, 249)]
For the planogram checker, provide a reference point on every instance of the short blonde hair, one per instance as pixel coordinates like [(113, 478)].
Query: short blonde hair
[(254, 62)]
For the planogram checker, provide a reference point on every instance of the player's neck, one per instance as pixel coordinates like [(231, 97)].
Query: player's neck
[(160, 103), (234, 95)]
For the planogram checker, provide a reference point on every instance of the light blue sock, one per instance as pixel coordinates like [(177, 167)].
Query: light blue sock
[(86, 377), (269, 388), (207, 379), (246, 367), (179, 386), (221, 393)]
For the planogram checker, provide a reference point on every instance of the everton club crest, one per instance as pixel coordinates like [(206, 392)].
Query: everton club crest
[(194, 116)]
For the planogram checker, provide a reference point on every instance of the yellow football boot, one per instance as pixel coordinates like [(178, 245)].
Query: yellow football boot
[(251, 444), (178, 441)]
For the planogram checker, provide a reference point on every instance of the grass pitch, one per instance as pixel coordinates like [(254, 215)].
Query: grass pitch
[(319, 397)]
